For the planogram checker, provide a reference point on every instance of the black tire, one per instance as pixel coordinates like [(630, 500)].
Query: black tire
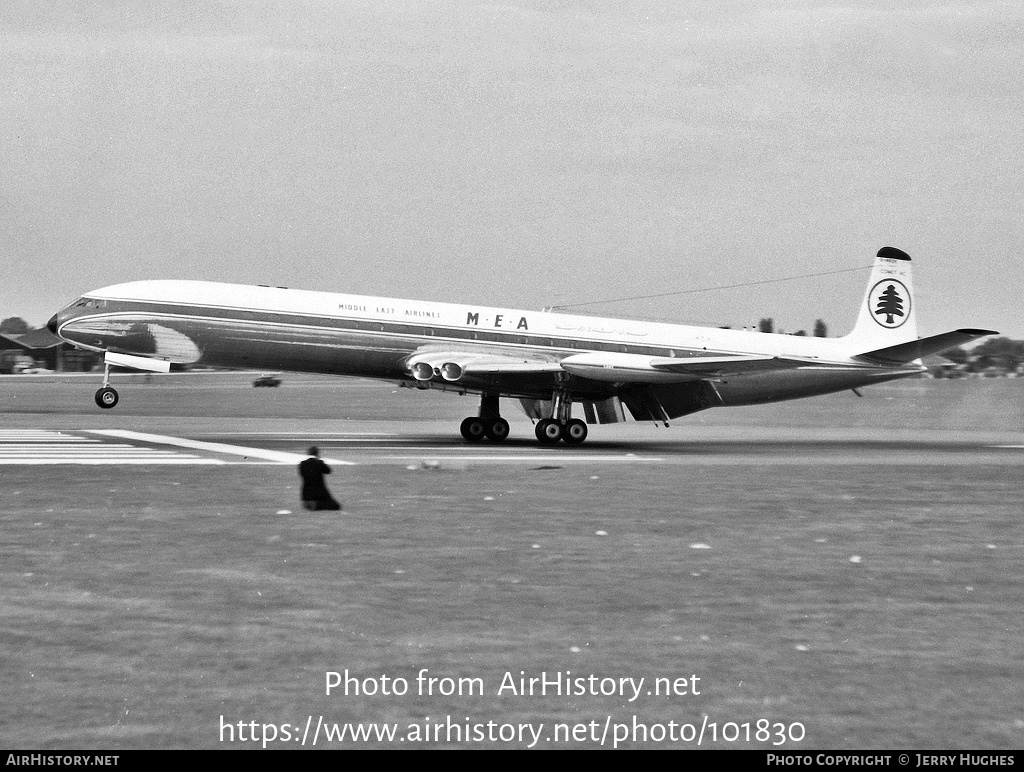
[(106, 397), (473, 429), (497, 430), (574, 432), (549, 431)]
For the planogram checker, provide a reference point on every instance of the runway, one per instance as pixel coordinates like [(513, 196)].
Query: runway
[(843, 563), (51, 446), (814, 449)]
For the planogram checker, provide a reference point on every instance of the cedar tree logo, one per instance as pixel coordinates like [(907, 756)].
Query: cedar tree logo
[(889, 303)]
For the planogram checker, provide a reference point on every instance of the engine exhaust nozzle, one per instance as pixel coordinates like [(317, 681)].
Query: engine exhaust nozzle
[(451, 371), (421, 371)]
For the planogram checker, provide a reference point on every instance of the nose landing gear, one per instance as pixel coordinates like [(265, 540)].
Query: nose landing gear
[(106, 397)]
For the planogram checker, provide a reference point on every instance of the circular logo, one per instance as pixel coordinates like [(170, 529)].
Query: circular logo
[(889, 303)]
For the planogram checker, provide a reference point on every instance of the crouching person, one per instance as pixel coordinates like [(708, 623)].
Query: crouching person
[(315, 495)]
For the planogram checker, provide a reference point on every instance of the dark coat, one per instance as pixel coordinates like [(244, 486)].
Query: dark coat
[(314, 491)]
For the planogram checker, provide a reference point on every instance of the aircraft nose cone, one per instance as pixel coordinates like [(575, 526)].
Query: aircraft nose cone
[(52, 324)]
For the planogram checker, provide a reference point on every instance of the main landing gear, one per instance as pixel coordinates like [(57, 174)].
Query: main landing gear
[(106, 397), (560, 426), (550, 431), (489, 424), (475, 429)]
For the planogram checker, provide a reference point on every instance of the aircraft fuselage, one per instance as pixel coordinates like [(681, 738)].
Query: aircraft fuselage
[(270, 328)]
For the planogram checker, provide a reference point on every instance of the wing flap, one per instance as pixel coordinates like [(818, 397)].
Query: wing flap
[(636, 368), (740, 363)]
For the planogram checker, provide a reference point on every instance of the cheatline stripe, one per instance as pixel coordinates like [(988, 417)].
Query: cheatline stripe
[(397, 331), (213, 447)]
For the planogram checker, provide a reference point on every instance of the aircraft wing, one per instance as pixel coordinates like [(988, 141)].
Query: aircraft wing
[(597, 365)]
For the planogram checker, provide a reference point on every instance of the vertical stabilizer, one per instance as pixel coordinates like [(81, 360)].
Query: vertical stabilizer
[(887, 315)]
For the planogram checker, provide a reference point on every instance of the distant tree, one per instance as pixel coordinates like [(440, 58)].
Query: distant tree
[(958, 355), (1005, 353), (820, 329), (766, 325), (14, 325)]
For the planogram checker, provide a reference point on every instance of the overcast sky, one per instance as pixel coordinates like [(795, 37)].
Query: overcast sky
[(520, 155)]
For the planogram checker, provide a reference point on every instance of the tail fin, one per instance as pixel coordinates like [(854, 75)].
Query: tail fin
[(886, 329), (887, 314)]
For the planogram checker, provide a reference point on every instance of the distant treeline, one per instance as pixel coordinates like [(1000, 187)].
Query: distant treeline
[(995, 354), (14, 325)]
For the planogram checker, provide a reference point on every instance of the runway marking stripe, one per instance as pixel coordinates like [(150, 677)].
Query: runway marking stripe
[(92, 447), (92, 452), (276, 456), (521, 459), (300, 435), (39, 447), (120, 461)]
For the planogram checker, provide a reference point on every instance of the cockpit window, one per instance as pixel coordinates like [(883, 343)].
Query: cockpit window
[(90, 303)]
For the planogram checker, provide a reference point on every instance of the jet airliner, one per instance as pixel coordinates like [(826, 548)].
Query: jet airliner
[(548, 361)]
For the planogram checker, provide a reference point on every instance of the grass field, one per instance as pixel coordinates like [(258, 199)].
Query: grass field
[(876, 604)]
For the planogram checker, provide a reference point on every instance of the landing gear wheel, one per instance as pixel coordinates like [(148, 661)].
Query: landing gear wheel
[(574, 432), (497, 430), (473, 429), (106, 397), (549, 432)]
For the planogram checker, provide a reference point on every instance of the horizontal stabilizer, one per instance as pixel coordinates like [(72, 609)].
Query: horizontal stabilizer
[(915, 349)]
